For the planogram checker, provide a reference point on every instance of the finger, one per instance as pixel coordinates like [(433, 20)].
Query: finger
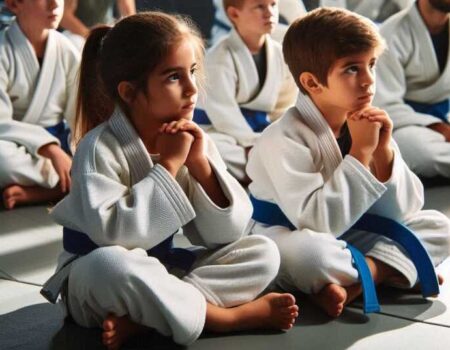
[(69, 181), (162, 128), (62, 182)]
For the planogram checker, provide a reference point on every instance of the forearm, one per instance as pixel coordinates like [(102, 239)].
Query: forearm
[(205, 176), (70, 22), (126, 7), (382, 162)]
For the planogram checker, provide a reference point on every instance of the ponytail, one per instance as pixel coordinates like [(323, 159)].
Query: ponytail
[(94, 106)]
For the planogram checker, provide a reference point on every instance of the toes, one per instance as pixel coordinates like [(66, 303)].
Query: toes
[(285, 300)]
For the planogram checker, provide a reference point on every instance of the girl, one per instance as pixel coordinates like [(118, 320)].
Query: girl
[(142, 171)]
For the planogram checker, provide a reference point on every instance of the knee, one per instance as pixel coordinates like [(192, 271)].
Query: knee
[(263, 252), (104, 266), (311, 264)]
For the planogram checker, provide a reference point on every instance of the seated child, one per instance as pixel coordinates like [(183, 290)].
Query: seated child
[(38, 68), (142, 171), (247, 80), (331, 159)]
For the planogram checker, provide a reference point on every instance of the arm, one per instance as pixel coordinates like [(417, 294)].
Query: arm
[(70, 22), (32, 137), (126, 7), (215, 225), (102, 205), (289, 167)]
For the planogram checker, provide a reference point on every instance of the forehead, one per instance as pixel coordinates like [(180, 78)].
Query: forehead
[(257, 2), (361, 57), (180, 55)]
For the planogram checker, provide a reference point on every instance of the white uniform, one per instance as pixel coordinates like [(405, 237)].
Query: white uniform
[(297, 164), (409, 70), (31, 99), (127, 204), (289, 10), (234, 84)]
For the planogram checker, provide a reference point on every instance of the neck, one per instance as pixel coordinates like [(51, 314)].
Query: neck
[(434, 19), (334, 117), (147, 131), (254, 42), (37, 38)]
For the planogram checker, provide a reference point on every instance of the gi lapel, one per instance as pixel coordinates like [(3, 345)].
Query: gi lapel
[(44, 77), (134, 149), (309, 114)]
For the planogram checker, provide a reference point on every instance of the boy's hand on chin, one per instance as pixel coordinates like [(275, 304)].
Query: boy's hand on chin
[(377, 115), (365, 138)]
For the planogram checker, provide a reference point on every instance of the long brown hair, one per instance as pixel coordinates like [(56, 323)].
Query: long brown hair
[(129, 51)]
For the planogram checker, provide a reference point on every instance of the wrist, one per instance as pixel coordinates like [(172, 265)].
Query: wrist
[(385, 153), (48, 150), (169, 167), (363, 157)]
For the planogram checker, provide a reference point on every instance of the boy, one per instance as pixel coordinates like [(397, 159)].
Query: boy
[(416, 95), (248, 79), (37, 91), (330, 159)]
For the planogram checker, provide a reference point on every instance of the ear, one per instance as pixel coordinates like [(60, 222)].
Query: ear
[(126, 91), (310, 83), (233, 13), (12, 5)]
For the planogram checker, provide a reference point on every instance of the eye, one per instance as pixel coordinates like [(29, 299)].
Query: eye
[(352, 69), (372, 66), (194, 70), (173, 77), (273, 4)]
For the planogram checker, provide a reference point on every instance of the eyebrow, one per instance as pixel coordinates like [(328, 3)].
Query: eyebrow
[(175, 69), (350, 63)]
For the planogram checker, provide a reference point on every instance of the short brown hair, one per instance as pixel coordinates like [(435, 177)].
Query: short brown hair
[(234, 3), (315, 41)]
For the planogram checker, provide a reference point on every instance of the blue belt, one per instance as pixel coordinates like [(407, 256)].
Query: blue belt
[(271, 214), (79, 243), (61, 131), (438, 110), (257, 120)]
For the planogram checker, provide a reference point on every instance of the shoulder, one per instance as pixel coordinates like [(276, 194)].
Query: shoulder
[(97, 148), (68, 52)]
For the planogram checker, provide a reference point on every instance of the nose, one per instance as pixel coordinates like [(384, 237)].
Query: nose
[(52, 4), (369, 78), (190, 88)]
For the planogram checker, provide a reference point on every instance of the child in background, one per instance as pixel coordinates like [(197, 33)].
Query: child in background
[(38, 68), (248, 82), (331, 159), (142, 171)]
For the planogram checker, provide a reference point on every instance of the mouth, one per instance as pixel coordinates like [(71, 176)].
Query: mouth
[(189, 106), (366, 97)]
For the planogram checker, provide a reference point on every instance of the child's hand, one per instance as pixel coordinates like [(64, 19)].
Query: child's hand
[(61, 162), (374, 114), (365, 137), (174, 147), (196, 158)]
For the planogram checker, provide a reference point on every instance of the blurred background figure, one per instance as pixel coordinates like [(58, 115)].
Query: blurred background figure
[(81, 15)]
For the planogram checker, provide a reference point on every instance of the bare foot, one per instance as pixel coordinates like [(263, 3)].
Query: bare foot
[(116, 330), (15, 195), (271, 311), (333, 297)]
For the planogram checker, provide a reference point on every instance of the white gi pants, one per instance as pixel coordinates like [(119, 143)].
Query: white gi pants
[(425, 151), (128, 282), (311, 260), (17, 166)]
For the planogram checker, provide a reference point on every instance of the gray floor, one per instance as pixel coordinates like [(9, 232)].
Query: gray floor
[(30, 243)]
